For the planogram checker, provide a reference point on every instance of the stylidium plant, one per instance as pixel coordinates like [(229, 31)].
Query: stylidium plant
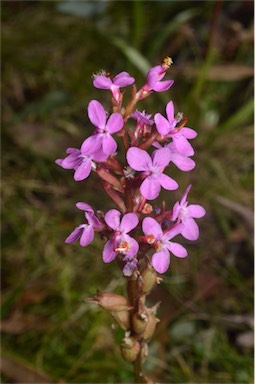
[(139, 236)]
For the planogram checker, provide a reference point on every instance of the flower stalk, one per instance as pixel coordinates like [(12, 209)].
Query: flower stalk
[(137, 235)]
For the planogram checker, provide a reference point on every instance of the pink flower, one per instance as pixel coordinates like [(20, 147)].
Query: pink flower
[(152, 168), (184, 163), (161, 242), (120, 242), (123, 79), (185, 214), (166, 127), (101, 140), (153, 80), (143, 123), (81, 162), (85, 231), (142, 118), (131, 264)]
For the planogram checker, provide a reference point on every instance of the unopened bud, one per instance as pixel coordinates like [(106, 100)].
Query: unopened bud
[(139, 322), (105, 175), (110, 301), (149, 279), (122, 318), (130, 348), (151, 325)]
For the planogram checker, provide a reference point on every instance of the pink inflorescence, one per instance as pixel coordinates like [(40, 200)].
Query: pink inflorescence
[(151, 144)]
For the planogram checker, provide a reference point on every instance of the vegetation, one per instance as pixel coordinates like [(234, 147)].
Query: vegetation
[(50, 50)]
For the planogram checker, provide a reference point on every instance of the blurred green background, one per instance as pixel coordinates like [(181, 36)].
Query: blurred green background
[(50, 49)]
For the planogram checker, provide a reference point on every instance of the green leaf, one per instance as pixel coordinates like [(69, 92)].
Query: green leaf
[(171, 27), (132, 54), (241, 117)]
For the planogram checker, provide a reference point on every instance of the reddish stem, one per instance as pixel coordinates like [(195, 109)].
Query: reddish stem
[(114, 195), (107, 176)]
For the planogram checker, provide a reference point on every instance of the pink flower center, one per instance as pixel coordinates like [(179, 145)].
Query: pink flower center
[(158, 246), (124, 246), (184, 211), (150, 238)]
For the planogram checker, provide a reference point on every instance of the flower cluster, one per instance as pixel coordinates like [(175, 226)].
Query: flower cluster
[(135, 231)]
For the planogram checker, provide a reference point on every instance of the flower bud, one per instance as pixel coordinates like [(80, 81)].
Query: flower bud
[(139, 322), (110, 178), (151, 325), (122, 318), (110, 301), (149, 277), (130, 348)]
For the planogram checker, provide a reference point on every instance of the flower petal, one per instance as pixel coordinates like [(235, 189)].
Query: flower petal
[(59, 162), (73, 150), (188, 133), (190, 230), (99, 156), (71, 161), (161, 261), (176, 211), (84, 207), (74, 235), (129, 268), (97, 114), (156, 145), (87, 236), (109, 145), (83, 171), (108, 252), (177, 249), (151, 226), (123, 79), (92, 144), (114, 123), (92, 220), (170, 111), (150, 187), (196, 211), (182, 145), (162, 124), (138, 159), (161, 158), (102, 82), (134, 247), (129, 222), (154, 75), (167, 182), (184, 163), (162, 86), (174, 231), (112, 219), (185, 195)]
